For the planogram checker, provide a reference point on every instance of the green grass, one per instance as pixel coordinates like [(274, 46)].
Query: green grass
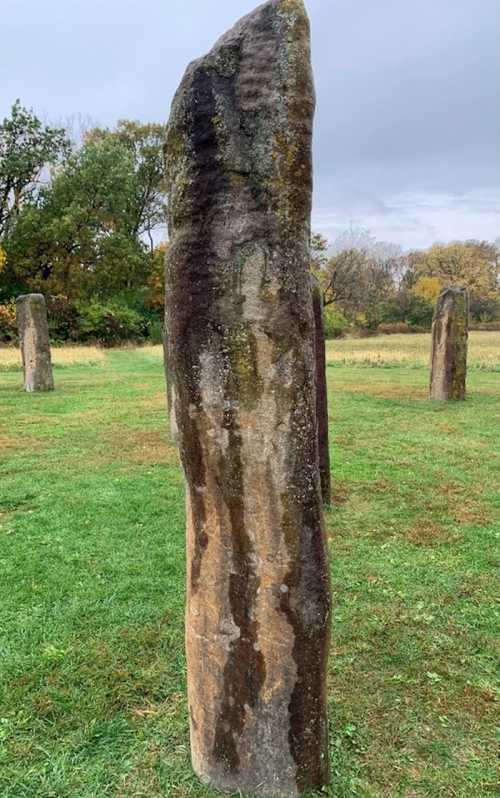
[(92, 675)]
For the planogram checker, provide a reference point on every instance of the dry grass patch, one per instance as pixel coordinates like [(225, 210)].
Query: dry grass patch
[(153, 351), (384, 390), (427, 533), (410, 350), (151, 448), (10, 357), (340, 492), (143, 447), (78, 356), (156, 401), (10, 444), (464, 504)]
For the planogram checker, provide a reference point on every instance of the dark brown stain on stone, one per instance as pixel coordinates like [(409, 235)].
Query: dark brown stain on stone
[(321, 393), (307, 607), (195, 286), (245, 670)]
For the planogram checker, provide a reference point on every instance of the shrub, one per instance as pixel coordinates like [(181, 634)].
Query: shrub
[(155, 331), (8, 323), (336, 324), (419, 312), (109, 323), (62, 317), (394, 328), (491, 326)]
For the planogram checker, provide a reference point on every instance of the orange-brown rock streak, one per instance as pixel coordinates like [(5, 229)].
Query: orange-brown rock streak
[(34, 342), (450, 331), (240, 331)]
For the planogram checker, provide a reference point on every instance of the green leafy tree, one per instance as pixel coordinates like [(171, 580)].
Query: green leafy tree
[(144, 143), (27, 149), (80, 237)]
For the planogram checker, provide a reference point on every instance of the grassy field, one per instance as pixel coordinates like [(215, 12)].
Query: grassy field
[(92, 675)]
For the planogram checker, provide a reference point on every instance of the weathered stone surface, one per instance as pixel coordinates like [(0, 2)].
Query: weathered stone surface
[(450, 329), (174, 432), (321, 392), (241, 353), (34, 342)]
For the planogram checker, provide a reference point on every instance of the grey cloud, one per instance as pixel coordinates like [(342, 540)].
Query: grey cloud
[(407, 94)]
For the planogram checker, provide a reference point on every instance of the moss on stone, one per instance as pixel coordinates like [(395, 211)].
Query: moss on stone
[(240, 348), (227, 60)]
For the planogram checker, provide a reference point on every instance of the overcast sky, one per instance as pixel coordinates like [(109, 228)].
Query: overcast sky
[(407, 138)]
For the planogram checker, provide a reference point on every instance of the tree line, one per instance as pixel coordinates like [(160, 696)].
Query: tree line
[(83, 223), (372, 286)]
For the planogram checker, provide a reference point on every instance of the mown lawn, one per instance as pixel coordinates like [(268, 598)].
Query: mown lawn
[(92, 674)]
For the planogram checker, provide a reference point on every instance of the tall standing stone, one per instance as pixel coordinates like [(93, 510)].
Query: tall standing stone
[(34, 342), (241, 349), (321, 392), (450, 329)]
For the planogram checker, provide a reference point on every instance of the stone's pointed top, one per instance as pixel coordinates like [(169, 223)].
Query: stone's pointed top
[(451, 296), (454, 289), (241, 122), (31, 298), (279, 7)]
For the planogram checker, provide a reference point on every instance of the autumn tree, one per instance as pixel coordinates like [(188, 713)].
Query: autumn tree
[(428, 288), (472, 264)]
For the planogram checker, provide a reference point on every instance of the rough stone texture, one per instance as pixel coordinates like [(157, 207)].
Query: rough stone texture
[(34, 342), (321, 392), (449, 345), (174, 432), (241, 351)]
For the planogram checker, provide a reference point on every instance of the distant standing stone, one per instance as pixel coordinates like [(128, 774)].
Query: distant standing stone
[(321, 392), (34, 342), (450, 329), (241, 354)]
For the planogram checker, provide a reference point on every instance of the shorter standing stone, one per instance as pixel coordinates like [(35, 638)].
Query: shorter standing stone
[(321, 392), (450, 330), (35, 343)]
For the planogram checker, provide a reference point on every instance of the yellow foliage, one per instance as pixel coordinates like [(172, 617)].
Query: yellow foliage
[(428, 288), (470, 264), (3, 259)]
